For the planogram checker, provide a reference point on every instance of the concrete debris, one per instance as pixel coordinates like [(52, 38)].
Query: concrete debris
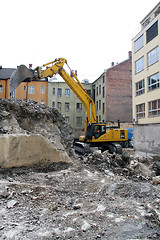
[(11, 203), (98, 196), (156, 180), (33, 134)]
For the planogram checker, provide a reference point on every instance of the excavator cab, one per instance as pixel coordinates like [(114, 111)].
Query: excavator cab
[(96, 130)]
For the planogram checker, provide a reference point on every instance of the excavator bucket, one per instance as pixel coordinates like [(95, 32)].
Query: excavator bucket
[(19, 75)]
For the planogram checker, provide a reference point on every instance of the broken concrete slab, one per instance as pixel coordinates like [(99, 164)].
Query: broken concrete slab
[(32, 133), (27, 150)]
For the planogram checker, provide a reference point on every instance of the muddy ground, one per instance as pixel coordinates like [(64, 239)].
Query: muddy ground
[(79, 201)]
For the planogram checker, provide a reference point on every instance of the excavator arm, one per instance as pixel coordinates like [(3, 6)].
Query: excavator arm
[(52, 68), (73, 83)]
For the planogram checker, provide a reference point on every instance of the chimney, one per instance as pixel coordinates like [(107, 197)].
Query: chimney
[(130, 54), (30, 65), (112, 64)]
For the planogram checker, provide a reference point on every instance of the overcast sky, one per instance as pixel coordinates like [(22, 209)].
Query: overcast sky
[(90, 34)]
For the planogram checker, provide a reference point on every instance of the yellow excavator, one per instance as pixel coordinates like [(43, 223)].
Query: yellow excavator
[(96, 134)]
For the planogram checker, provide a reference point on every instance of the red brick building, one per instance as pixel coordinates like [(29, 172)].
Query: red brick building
[(118, 98)]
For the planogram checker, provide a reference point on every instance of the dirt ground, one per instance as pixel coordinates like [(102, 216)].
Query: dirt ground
[(99, 196), (78, 201)]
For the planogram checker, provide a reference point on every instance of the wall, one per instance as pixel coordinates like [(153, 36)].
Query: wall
[(119, 92), (37, 96), (72, 99), (146, 138), (99, 97), (5, 88), (144, 74)]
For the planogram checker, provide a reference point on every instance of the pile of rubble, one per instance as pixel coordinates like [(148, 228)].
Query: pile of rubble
[(33, 133), (127, 164), (89, 199)]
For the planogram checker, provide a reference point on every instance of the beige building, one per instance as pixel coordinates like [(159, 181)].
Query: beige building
[(99, 97), (145, 83), (62, 97)]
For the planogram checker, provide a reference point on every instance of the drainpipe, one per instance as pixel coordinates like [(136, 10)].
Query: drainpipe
[(5, 90), (27, 93)]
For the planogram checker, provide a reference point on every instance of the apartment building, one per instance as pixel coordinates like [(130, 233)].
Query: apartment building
[(61, 96), (26, 91), (112, 93), (34, 90), (145, 84)]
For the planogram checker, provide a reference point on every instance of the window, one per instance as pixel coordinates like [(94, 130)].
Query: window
[(31, 89), (42, 101), (42, 90), (152, 32), (153, 82), (99, 104), (53, 91), (103, 92), (153, 56), (140, 87), (13, 94), (79, 121), (79, 107), (103, 108), (59, 105), (66, 106), (53, 104), (99, 118), (25, 88), (96, 105), (140, 65), (59, 92), (99, 89), (89, 92), (157, 12), (103, 78), (138, 43), (154, 108), (140, 110), (67, 92), (1, 88), (67, 119)]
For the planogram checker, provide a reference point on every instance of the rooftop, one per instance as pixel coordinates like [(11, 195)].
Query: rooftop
[(6, 73)]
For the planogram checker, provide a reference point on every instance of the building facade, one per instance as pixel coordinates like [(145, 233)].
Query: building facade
[(34, 90), (5, 74), (61, 96), (145, 84), (119, 92), (113, 93), (26, 91), (99, 94)]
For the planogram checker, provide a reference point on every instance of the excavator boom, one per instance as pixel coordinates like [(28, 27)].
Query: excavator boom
[(22, 73)]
